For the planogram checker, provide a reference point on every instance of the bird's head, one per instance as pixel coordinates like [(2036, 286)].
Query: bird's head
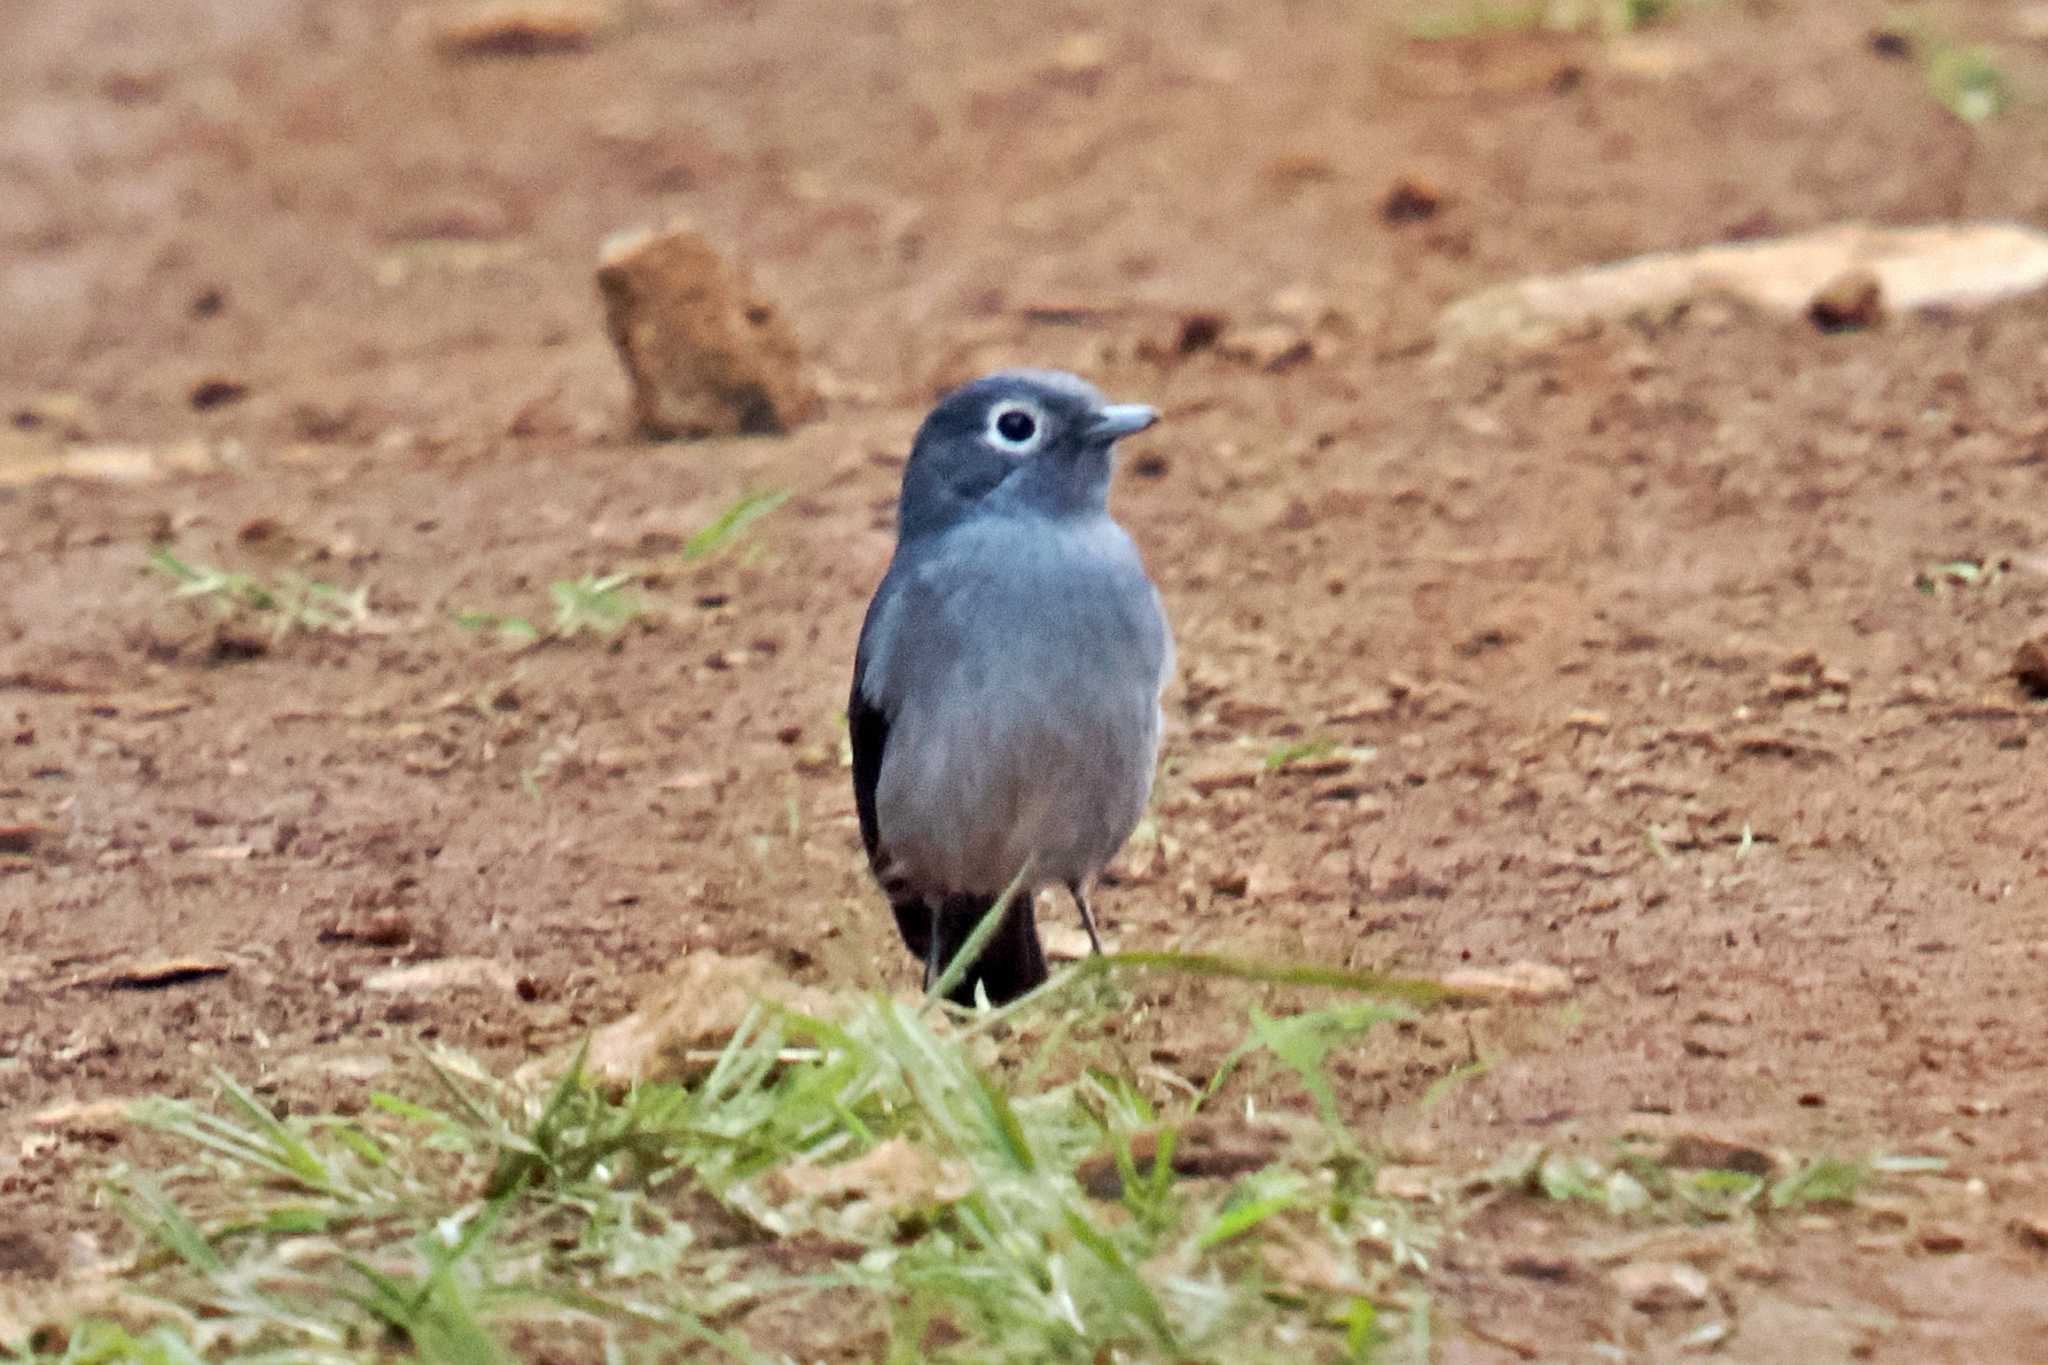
[(1045, 434)]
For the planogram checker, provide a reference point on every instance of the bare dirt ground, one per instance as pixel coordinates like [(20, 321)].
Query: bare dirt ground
[(1598, 609)]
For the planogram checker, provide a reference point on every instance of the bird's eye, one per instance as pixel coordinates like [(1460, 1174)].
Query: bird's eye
[(1015, 426)]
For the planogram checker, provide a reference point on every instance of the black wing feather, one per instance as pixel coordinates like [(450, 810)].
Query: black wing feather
[(868, 727)]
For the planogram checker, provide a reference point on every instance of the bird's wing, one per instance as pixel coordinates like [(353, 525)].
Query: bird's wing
[(879, 673), (868, 727)]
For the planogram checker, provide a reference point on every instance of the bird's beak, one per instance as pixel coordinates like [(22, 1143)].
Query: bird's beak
[(1116, 420)]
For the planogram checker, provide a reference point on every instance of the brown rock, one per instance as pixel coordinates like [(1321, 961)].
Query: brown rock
[(155, 975), (208, 394), (1852, 300), (24, 838), (2030, 667), (519, 28), (1704, 1152), (1199, 332), (678, 1030), (1555, 1267), (706, 355), (1942, 1239), (1230, 776), (1412, 199)]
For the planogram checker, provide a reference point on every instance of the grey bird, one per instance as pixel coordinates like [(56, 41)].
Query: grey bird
[(1005, 712)]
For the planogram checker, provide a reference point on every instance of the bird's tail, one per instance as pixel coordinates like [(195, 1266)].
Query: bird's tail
[(1012, 965)]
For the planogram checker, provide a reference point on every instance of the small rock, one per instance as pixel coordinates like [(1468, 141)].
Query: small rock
[(1707, 1046), (1592, 722), (345, 1066), (678, 1031), (1552, 1268), (1661, 1287), (377, 928), (1199, 332), (1704, 1152), (87, 1118), (2032, 1230), (519, 28), (151, 976), (444, 974), (1942, 1239), (1229, 777), (1271, 347), (208, 394), (1235, 882), (1412, 199), (1851, 301), (1413, 1183), (894, 1177), (706, 355), (1660, 58), (1531, 982), (24, 838), (2030, 667)]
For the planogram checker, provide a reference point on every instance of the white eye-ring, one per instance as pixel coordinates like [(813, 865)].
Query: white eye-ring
[(1016, 426)]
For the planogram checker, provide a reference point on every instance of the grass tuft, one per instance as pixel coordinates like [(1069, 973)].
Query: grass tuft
[(487, 1222), (291, 603)]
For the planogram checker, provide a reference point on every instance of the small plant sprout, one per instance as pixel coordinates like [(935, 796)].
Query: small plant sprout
[(598, 604), (732, 523), (291, 603), (1968, 82)]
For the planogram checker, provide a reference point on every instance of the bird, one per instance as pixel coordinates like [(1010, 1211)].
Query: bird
[(1005, 712)]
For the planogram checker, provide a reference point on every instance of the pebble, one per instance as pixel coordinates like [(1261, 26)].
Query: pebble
[(1531, 982), (1661, 1287), (1851, 301)]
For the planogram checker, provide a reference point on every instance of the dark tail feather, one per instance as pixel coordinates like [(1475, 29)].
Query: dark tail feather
[(1012, 965)]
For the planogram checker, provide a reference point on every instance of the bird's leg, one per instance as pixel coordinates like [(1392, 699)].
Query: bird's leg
[(1080, 896), (932, 965)]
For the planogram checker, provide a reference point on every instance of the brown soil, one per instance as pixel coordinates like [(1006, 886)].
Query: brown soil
[(1599, 608)]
